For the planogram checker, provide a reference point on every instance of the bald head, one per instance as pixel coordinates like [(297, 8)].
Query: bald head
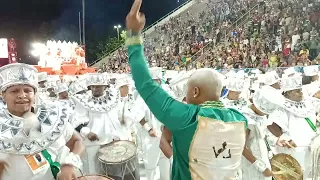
[(206, 85)]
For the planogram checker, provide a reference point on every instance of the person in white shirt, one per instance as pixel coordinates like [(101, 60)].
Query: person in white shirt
[(29, 131)]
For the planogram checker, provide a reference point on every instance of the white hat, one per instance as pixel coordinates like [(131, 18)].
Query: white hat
[(18, 74), (97, 79), (156, 72), (61, 87), (311, 89), (179, 84), (255, 85), (78, 86), (51, 84), (112, 75), (311, 70), (236, 82), (290, 72), (170, 74), (255, 71), (123, 81), (270, 78), (223, 78), (291, 83), (68, 78), (267, 99), (42, 76)]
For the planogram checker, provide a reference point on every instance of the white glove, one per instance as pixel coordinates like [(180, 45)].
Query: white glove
[(260, 165)]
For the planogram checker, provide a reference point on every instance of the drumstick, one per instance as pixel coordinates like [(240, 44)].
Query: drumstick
[(288, 144)]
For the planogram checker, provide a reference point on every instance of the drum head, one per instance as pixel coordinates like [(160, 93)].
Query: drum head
[(285, 167), (94, 177), (117, 151)]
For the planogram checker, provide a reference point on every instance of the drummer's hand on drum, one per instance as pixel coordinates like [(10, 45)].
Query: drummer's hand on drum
[(267, 173), (152, 133), (292, 144), (289, 144), (67, 172), (92, 137)]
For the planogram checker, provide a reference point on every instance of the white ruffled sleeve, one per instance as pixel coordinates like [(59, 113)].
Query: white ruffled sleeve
[(280, 117), (68, 132), (81, 116), (138, 110)]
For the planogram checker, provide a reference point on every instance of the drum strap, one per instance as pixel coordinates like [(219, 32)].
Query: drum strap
[(54, 166), (313, 127), (123, 111)]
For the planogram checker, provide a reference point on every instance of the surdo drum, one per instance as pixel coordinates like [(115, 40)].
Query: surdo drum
[(92, 177), (119, 160)]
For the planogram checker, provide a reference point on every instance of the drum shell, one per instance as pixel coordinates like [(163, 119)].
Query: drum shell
[(127, 169)]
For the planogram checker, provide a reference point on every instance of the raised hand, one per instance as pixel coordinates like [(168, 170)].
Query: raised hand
[(135, 20)]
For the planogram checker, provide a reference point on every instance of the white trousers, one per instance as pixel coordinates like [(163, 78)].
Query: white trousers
[(90, 160), (152, 156), (164, 167)]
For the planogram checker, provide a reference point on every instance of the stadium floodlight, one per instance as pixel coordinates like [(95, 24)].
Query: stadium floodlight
[(118, 32)]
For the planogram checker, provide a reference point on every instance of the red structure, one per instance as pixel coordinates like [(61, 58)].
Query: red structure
[(8, 53), (12, 51)]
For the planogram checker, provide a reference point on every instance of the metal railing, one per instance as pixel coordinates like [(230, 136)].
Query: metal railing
[(239, 22), (146, 29)]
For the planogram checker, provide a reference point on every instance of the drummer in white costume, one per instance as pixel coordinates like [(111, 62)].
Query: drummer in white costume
[(63, 96), (149, 134), (271, 79), (42, 89), (296, 116), (34, 137), (42, 79), (79, 86), (255, 164), (126, 101), (311, 73), (62, 91), (52, 96), (96, 117), (235, 86)]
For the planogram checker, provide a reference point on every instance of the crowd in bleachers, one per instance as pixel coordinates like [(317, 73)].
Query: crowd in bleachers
[(233, 34)]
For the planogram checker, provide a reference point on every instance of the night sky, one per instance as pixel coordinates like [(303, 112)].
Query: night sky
[(22, 19)]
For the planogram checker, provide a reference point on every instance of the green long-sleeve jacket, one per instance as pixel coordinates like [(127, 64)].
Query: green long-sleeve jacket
[(207, 140)]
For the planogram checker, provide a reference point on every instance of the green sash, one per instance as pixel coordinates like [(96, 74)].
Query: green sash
[(54, 166), (313, 127)]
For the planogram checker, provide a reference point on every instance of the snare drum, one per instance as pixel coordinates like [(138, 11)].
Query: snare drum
[(119, 160), (93, 177)]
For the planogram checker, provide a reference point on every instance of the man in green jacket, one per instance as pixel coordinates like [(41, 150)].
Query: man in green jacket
[(207, 138)]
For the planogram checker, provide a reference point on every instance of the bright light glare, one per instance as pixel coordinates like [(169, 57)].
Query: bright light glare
[(116, 27), (38, 49), (38, 45), (34, 53)]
